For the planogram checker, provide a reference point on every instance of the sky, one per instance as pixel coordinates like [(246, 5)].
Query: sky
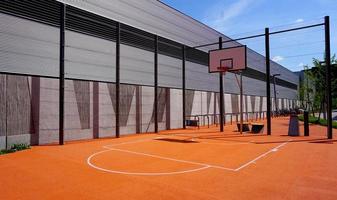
[(240, 18)]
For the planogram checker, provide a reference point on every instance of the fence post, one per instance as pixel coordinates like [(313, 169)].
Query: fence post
[(306, 123), (61, 81)]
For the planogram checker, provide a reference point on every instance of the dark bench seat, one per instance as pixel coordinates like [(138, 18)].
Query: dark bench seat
[(245, 126), (257, 127), (192, 122)]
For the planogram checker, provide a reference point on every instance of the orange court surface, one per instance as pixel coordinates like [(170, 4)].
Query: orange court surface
[(178, 164)]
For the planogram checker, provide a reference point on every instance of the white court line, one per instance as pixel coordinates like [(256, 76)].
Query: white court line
[(142, 173), (225, 144), (131, 142), (261, 156), (200, 140), (171, 159), (204, 165)]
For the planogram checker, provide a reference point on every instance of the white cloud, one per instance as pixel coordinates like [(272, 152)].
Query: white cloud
[(299, 20), (277, 58), (301, 65), (219, 15)]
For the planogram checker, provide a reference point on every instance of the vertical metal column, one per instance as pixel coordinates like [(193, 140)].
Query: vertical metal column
[(6, 104), (328, 75), (61, 83), (241, 103), (184, 84), (275, 99), (306, 122), (95, 102), (221, 93), (268, 80), (118, 42), (156, 84), (168, 108)]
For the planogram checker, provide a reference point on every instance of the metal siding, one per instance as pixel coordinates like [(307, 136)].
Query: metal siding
[(198, 78), (169, 71), (93, 58), (155, 17), (257, 62), (88, 57), (137, 66), (152, 16), (28, 47)]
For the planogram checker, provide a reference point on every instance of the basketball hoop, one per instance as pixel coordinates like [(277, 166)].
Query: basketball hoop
[(223, 70), (229, 59), (225, 65)]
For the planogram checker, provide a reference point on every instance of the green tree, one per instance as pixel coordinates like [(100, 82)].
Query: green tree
[(316, 75)]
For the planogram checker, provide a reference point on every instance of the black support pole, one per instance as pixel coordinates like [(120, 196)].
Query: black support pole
[(156, 84), (118, 42), (184, 84), (241, 103), (328, 75), (61, 84), (275, 99), (6, 114), (268, 80), (306, 122), (221, 93)]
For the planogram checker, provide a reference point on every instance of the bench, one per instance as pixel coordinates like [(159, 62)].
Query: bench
[(192, 122), (245, 126), (257, 127)]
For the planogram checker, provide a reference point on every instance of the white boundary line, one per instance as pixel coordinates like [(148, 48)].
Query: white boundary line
[(203, 165), (131, 142), (261, 156), (171, 159), (225, 144)]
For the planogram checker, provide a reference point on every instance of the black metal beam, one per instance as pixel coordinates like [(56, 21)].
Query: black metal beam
[(118, 42), (230, 40), (296, 29), (328, 75), (155, 84), (61, 81), (261, 35), (184, 83), (267, 46), (221, 93)]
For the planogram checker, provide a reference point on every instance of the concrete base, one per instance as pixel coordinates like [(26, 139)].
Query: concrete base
[(14, 139), (2, 142)]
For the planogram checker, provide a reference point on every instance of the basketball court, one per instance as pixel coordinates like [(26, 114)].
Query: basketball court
[(207, 162), (178, 164)]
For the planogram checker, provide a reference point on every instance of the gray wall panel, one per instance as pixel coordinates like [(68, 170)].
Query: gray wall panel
[(94, 58), (169, 71), (28, 47), (258, 62), (198, 78), (155, 17), (255, 87), (3, 107), (137, 66), (152, 16), (88, 57)]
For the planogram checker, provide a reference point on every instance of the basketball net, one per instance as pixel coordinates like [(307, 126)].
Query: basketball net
[(223, 70)]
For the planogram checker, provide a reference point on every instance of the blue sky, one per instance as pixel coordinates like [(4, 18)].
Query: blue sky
[(237, 18)]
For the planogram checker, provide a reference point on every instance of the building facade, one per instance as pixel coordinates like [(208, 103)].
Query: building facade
[(30, 60)]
